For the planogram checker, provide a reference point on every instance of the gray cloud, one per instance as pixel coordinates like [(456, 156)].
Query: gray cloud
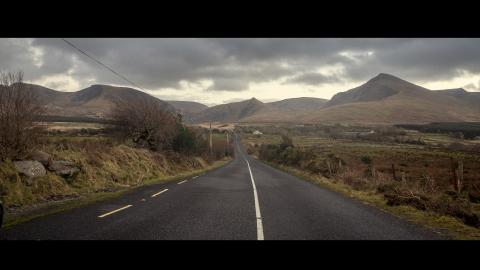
[(313, 79), (472, 86), (232, 64), (229, 85)]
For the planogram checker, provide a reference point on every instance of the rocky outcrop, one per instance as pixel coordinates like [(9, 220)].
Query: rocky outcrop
[(30, 168), (38, 164), (63, 168), (41, 157)]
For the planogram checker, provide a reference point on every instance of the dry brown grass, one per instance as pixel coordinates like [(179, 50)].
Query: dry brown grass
[(423, 175), (105, 166)]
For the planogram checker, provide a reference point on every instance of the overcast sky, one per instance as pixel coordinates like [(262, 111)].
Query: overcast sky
[(214, 71)]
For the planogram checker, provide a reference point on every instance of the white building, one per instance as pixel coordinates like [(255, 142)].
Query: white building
[(256, 132)]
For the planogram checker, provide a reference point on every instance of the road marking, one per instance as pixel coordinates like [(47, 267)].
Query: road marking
[(114, 211), (194, 177), (181, 182), (156, 194), (257, 206)]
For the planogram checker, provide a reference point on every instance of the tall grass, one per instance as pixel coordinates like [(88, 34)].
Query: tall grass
[(422, 180), (104, 166)]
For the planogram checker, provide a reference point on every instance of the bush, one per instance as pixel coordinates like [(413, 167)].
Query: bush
[(286, 142), (366, 160), (185, 141), (146, 124)]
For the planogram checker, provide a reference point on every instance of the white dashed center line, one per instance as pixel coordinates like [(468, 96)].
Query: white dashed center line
[(156, 194), (114, 211), (181, 182)]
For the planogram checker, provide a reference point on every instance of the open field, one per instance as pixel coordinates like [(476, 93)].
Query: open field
[(467, 129), (219, 126), (66, 126), (415, 160)]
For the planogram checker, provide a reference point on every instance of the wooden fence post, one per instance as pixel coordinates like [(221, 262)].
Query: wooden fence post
[(393, 172)]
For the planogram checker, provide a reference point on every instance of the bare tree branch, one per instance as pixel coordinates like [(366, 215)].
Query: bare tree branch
[(19, 108)]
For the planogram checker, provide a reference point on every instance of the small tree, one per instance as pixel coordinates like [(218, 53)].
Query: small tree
[(184, 141), (286, 142), (19, 108), (146, 123)]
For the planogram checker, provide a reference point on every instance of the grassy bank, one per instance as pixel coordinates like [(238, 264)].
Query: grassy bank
[(107, 170), (47, 208), (410, 181), (446, 225)]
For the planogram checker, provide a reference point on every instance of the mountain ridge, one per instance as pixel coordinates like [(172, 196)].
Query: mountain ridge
[(384, 99), (94, 101)]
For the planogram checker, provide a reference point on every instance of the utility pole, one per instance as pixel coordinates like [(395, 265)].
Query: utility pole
[(211, 142), (228, 152)]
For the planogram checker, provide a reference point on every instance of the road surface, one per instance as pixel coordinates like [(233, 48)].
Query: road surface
[(245, 199)]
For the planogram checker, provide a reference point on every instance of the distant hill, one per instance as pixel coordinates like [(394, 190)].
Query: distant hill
[(231, 112), (95, 101), (300, 104), (253, 110), (471, 98), (187, 107)]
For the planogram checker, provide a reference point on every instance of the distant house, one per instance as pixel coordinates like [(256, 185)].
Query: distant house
[(256, 132)]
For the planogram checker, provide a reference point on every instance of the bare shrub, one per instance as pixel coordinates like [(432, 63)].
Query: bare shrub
[(286, 141), (423, 198), (145, 123), (354, 179), (19, 107)]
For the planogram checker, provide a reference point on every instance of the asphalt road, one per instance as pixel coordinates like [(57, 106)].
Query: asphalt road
[(245, 199)]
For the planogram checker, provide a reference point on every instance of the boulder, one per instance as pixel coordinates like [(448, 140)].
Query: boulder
[(63, 168), (41, 157), (30, 168)]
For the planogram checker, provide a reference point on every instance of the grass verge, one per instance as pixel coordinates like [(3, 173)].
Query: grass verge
[(447, 226), (43, 209)]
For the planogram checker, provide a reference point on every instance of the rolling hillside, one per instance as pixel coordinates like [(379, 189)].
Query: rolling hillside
[(187, 107), (300, 104), (231, 112), (95, 101)]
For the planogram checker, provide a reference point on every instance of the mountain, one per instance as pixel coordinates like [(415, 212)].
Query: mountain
[(253, 110), (386, 99), (187, 107), (231, 112), (300, 104), (95, 101), (379, 88), (472, 98)]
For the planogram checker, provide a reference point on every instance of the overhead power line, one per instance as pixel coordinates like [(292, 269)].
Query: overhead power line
[(102, 64)]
